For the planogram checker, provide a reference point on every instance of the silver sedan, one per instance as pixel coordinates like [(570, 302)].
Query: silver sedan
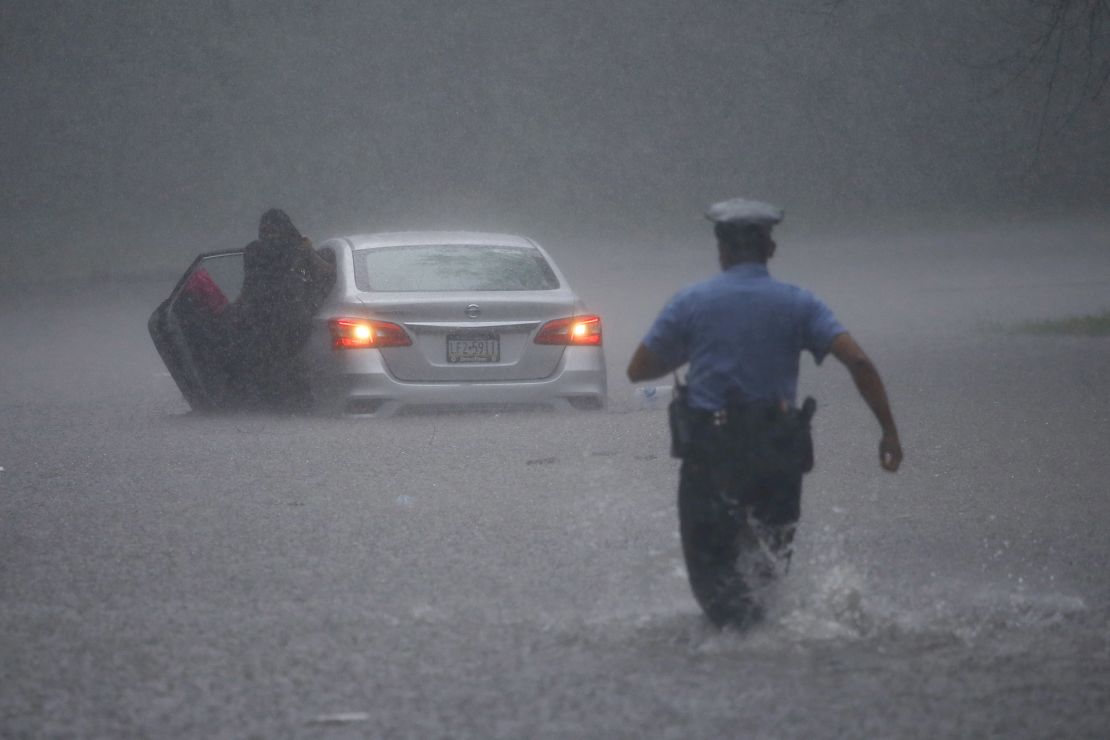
[(422, 319)]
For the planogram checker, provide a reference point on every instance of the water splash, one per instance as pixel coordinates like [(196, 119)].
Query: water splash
[(838, 602)]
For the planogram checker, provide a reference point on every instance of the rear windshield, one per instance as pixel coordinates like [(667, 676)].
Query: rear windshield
[(446, 267)]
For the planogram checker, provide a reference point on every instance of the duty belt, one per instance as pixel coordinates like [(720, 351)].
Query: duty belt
[(735, 412)]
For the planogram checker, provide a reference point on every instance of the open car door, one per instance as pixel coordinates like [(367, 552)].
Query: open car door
[(193, 332)]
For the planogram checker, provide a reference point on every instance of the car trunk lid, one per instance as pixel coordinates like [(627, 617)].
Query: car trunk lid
[(471, 337)]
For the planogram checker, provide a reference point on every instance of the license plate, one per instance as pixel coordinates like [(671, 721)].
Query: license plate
[(473, 348)]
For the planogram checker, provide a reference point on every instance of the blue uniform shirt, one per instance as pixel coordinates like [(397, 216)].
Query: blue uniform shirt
[(743, 333)]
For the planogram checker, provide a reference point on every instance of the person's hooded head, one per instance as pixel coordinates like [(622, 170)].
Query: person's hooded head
[(275, 225)]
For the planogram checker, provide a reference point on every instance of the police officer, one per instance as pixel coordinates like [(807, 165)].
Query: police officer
[(744, 444)]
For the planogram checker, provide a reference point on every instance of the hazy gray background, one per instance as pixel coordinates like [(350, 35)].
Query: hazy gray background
[(168, 574), (133, 135)]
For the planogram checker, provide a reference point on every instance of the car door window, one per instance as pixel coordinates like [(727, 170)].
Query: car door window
[(225, 272)]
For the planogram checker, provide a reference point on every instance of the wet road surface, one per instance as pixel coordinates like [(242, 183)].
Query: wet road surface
[(519, 574)]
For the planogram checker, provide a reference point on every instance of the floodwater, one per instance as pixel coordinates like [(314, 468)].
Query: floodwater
[(519, 574)]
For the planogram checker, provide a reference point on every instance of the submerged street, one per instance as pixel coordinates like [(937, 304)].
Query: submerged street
[(519, 574), (935, 173)]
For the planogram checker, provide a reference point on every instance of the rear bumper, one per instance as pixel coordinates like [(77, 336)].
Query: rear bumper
[(357, 382)]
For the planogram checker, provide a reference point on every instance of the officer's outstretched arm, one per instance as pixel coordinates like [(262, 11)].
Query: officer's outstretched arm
[(645, 365), (870, 386)]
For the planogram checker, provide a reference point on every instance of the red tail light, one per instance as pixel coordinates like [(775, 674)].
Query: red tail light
[(579, 330), (366, 334)]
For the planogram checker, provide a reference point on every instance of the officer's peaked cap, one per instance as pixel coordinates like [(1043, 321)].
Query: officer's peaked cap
[(740, 211)]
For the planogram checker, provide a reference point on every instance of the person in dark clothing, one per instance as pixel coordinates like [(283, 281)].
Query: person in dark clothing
[(284, 279), (284, 283), (744, 443)]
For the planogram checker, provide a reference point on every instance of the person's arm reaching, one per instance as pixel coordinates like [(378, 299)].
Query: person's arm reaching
[(645, 365), (870, 386)]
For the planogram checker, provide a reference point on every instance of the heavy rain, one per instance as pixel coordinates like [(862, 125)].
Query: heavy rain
[(505, 573)]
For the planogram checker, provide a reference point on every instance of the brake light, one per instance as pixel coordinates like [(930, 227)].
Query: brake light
[(366, 334), (577, 330)]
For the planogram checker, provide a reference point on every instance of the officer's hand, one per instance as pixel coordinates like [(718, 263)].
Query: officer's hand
[(890, 452)]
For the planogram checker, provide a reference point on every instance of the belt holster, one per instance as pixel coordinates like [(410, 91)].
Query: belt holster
[(763, 437), (682, 422)]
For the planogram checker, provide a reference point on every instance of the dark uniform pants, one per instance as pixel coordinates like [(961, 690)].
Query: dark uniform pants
[(737, 519)]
